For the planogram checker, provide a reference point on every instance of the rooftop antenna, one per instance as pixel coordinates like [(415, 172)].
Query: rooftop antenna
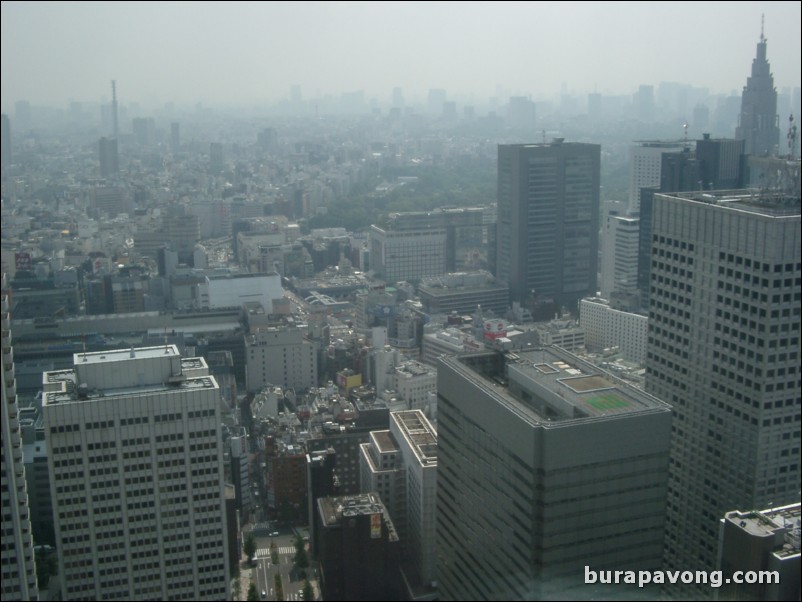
[(166, 349), (792, 132), (114, 107), (762, 20)]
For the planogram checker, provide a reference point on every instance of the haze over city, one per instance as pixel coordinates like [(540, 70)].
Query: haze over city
[(400, 301), (245, 54)]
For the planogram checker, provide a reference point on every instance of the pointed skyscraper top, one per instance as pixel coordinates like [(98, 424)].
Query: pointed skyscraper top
[(758, 124)]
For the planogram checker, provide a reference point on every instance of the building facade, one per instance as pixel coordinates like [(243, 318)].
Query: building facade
[(409, 255), (16, 552), (358, 549), (136, 469), (762, 540), (607, 327), (546, 464), (280, 356), (723, 349), (645, 166), (619, 268), (400, 464), (757, 123), (548, 216)]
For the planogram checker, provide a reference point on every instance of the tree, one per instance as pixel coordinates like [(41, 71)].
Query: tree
[(301, 561), (309, 593), (250, 546), (253, 593)]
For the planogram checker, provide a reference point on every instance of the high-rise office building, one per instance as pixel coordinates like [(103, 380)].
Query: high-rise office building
[(136, 470), (546, 464), (548, 217), (401, 465), (619, 266), (716, 164), (764, 540), (16, 552), (646, 159), (723, 349), (757, 124)]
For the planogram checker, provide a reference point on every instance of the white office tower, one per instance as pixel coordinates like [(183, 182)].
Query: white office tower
[(724, 351), (16, 552), (646, 159), (401, 465), (136, 471), (619, 267)]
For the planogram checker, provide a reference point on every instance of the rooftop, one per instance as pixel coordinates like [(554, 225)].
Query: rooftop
[(334, 509), (118, 355), (762, 202), (785, 520), (419, 434), (384, 441), (550, 386)]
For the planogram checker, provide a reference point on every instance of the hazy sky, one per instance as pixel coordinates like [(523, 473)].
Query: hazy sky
[(243, 52)]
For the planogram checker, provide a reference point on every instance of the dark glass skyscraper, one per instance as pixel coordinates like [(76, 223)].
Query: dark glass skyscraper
[(548, 220)]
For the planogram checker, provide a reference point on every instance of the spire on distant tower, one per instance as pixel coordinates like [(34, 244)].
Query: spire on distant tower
[(762, 21)]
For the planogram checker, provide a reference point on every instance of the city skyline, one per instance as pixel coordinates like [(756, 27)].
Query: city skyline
[(253, 53)]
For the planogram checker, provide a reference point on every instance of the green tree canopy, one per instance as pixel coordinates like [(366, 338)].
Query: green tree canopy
[(250, 546)]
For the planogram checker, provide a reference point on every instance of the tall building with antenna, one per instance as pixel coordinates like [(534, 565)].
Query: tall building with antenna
[(757, 124)]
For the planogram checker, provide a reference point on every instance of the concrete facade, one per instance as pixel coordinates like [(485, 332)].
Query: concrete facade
[(136, 469), (546, 464), (723, 349)]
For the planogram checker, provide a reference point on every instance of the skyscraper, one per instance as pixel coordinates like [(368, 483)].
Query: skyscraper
[(723, 349), (136, 471), (548, 217), (16, 552), (760, 540), (401, 465), (757, 124), (546, 464), (646, 158), (109, 159), (619, 268)]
